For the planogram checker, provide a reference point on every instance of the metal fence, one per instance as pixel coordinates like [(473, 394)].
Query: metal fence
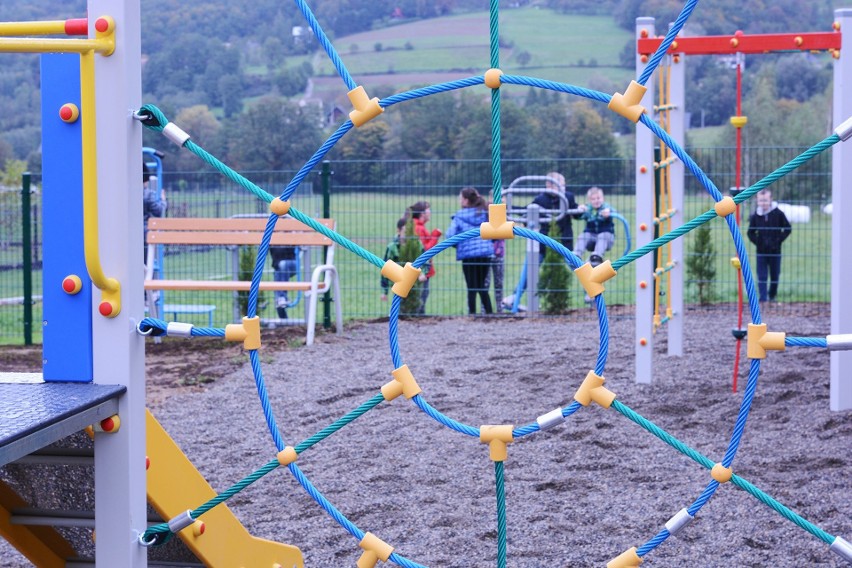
[(367, 198)]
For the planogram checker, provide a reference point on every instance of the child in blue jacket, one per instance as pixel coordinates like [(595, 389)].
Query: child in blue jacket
[(474, 254), (599, 232)]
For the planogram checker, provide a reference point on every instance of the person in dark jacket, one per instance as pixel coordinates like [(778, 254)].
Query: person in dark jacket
[(599, 232), (547, 200), (475, 253), (285, 265), (768, 227), (153, 203)]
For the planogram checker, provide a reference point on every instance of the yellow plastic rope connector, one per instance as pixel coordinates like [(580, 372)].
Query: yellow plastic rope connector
[(403, 277), (279, 207), (248, 332), (497, 226), (739, 121), (725, 207), (592, 389), (627, 559), (592, 279), (735, 262), (375, 549), (287, 456), (366, 108), (403, 383), (497, 437), (492, 78), (760, 341), (721, 473), (627, 105)]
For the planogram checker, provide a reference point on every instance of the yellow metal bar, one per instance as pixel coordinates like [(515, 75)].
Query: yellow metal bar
[(50, 45), (32, 28), (110, 288)]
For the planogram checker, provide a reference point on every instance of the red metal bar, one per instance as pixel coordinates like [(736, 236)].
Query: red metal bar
[(742, 43)]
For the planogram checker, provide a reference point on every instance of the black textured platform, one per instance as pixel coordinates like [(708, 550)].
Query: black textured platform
[(33, 415)]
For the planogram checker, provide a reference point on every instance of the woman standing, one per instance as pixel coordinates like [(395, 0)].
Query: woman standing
[(474, 254)]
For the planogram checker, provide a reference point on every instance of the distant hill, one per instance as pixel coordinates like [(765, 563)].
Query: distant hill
[(534, 41)]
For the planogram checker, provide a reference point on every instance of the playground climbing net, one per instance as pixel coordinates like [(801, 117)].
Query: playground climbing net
[(593, 279)]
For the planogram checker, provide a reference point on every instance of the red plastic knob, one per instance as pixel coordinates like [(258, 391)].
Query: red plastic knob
[(105, 309)]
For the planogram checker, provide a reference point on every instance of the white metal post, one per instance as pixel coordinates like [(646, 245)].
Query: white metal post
[(677, 127), (644, 172), (118, 350), (841, 229)]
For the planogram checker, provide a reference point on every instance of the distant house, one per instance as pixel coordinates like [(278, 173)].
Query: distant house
[(397, 14), (335, 116)]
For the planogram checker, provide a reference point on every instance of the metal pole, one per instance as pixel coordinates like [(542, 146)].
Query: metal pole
[(26, 229), (325, 178), (533, 254)]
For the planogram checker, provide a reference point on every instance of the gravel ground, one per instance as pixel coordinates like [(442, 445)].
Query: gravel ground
[(579, 494)]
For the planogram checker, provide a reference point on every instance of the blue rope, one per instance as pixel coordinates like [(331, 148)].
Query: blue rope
[(658, 539), (431, 90), (805, 342), (318, 155), (263, 395), (326, 44), (555, 86), (670, 36)]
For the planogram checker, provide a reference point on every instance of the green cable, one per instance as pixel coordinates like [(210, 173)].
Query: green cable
[(501, 515), (710, 214), (342, 241), (340, 423), (735, 479), (496, 176)]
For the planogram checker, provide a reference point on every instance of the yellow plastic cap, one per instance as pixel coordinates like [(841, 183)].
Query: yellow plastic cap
[(735, 262), (279, 207), (721, 473), (725, 207), (287, 456), (592, 279), (492, 78), (760, 341), (248, 332), (375, 549), (739, 121), (627, 105), (497, 227), (403, 277), (592, 389), (627, 559), (403, 383), (366, 108), (497, 437)]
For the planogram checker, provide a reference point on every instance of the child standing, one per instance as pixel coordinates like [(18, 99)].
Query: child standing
[(599, 232), (474, 254), (767, 229), (392, 253), (421, 213)]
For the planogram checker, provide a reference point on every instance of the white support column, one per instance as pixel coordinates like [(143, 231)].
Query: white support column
[(644, 217), (677, 127), (841, 229), (118, 350)]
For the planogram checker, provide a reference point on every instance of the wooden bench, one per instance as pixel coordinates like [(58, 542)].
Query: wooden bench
[(237, 232)]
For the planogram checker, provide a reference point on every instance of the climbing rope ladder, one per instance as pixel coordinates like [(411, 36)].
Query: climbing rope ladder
[(664, 210), (593, 279)]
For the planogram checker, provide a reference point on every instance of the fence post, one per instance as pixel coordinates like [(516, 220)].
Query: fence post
[(325, 179), (26, 230)]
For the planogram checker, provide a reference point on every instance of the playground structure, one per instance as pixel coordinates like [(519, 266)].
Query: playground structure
[(116, 351), (671, 94)]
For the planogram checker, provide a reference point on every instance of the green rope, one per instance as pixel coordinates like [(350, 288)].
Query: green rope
[(660, 241), (340, 423), (662, 434), (342, 241), (788, 167), (501, 515), (781, 509), (496, 176), (157, 121), (735, 479), (710, 214)]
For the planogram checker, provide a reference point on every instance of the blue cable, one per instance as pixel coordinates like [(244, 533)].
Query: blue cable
[(806, 342), (326, 44), (670, 36)]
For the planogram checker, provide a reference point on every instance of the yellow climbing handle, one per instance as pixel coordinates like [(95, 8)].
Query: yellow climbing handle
[(48, 27), (110, 288)]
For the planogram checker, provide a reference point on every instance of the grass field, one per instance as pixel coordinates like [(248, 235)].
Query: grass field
[(368, 219), (565, 48)]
